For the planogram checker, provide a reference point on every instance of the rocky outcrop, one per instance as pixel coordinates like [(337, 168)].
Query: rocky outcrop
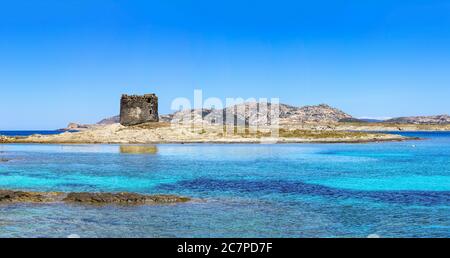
[(289, 115), (253, 113), (76, 127), (439, 120), (11, 196), (318, 114), (122, 198), (166, 118), (8, 139)]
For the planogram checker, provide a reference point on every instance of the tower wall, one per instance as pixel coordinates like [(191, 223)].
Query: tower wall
[(136, 109)]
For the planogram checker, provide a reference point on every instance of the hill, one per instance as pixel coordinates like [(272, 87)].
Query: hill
[(440, 119)]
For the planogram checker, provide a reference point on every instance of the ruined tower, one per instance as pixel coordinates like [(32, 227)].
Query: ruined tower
[(136, 109)]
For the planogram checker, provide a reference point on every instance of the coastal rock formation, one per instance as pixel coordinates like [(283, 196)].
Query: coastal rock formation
[(254, 113), (80, 127), (136, 110), (440, 119), (309, 124), (319, 117), (6, 139), (321, 113), (166, 118), (11, 196), (122, 198), (75, 126), (154, 133)]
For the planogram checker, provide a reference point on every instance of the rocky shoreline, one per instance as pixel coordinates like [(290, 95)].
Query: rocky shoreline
[(308, 124), (122, 198), (165, 133)]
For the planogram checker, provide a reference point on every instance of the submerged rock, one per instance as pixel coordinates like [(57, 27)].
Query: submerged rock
[(4, 160), (11, 196), (123, 198)]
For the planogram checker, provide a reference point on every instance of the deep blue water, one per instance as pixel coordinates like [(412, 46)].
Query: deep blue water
[(28, 133), (399, 189)]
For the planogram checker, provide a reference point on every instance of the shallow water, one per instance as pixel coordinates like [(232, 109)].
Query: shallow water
[(28, 133), (399, 189)]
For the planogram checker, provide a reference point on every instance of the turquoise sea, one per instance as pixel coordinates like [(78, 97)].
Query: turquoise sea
[(398, 189), (28, 132)]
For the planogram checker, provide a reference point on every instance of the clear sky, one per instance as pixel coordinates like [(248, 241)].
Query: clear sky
[(63, 61)]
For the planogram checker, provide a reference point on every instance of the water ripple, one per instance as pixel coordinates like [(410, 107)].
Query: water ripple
[(294, 187)]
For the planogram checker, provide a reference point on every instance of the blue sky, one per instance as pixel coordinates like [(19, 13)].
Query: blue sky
[(63, 61)]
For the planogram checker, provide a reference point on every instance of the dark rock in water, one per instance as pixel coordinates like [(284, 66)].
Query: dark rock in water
[(4, 160), (103, 198), (10, 196), (122, 198), (161, 199)]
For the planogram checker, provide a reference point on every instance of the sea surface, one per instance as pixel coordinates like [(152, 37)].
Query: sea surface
[(398, 189), (28, 132)]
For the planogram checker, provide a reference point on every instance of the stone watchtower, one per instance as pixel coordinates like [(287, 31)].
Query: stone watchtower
[(138, 109)]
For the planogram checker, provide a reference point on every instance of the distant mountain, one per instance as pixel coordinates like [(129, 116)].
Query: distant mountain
[(360, 120), (440, 119), (371, 120), (109, 120)]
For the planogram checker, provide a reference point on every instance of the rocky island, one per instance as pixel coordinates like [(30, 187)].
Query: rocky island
[(139, 123)]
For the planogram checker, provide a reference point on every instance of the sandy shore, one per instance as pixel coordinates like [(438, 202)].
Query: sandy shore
[(154, 133)]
